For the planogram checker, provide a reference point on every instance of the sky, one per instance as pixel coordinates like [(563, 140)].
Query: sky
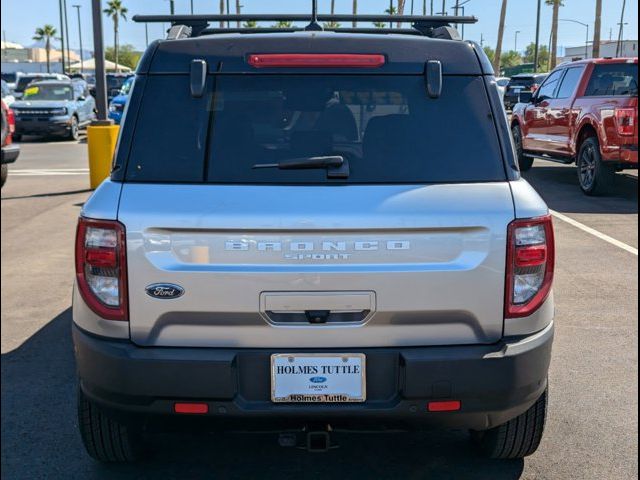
[(20, 18)]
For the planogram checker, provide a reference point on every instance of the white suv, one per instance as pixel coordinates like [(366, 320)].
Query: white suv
[(315, 230)]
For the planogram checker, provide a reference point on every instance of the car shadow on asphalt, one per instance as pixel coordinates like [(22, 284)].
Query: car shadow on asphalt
[(40, 437), (52, 194), (558, 185)]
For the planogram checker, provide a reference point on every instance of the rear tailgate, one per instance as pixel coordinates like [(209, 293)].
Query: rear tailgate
[(433, 260), (406, 249)]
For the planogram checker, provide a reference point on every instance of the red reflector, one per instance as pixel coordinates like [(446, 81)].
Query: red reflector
[(191, 408), (446, 406), (101, 257), (531, 256), (264, 60)]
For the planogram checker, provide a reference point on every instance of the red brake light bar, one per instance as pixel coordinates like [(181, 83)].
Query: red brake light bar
[(340, 60)]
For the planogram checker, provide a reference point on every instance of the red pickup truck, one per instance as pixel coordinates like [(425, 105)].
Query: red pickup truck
[(584, 112)]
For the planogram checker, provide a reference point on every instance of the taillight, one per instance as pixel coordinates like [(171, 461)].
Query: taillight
[(626, 120), (530, 265), (344, 60), (534, 87), (101, 267)]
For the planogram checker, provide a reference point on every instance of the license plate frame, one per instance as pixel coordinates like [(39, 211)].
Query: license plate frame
[(316, 393)]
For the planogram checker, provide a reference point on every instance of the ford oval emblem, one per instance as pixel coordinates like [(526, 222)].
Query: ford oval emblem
[(164, 291), (318, 379)]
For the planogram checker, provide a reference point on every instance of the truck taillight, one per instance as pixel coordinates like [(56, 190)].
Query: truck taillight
[(530, 265), (101, 267), (626, 120)]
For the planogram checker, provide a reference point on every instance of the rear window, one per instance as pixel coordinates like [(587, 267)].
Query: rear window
[(613, 79), (385, 127), (26, 80)]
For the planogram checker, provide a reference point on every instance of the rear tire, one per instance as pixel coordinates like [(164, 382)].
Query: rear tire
[(105, 439), (525, 163), (594, 176), (518, 438)]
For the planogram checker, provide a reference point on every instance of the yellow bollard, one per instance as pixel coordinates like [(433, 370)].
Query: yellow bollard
[(102, 144)]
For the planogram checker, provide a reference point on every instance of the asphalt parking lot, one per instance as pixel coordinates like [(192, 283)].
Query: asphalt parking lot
[(592, 429)]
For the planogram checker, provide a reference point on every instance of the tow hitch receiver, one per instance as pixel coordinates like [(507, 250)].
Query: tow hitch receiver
[(317, 440)]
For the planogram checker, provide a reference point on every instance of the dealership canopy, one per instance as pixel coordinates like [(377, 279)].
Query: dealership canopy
[(91, 65)]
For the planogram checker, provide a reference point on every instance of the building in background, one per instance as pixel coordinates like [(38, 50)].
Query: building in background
[(607, 49), (17, 58)]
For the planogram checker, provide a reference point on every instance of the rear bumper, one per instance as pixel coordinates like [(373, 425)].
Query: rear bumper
[(629, 156), (10, 153), (624, 156), (494, 383)]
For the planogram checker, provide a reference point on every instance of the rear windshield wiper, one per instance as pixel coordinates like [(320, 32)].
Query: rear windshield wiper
[(336, 165)]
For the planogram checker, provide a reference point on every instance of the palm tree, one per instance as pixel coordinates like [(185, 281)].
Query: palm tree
[(498, 51), (46, 33), (250, 24), (554, 30), (391, 11), (221, 12), (283, 24), (596, 30), (354, 10), (116, 11), (400, 10)]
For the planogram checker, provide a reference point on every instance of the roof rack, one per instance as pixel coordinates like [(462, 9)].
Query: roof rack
[(434, 26)]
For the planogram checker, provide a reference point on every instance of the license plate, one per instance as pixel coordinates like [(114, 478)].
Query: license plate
[(318, 378)]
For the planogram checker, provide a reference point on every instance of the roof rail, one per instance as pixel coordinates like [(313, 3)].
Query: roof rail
[(435, 26)]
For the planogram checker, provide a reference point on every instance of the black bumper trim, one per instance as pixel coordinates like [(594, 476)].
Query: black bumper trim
[(495, 383), (10, 153)]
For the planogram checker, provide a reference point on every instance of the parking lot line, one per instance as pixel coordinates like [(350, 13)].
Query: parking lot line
[(595, 233), (29, 172)]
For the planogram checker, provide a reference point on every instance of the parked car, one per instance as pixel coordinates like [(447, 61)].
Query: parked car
[(501, 83), (54, 107), (293, 236), (116, 107), (10, 151), (584, 112), (520, 83), (114, 84), (7, 94), (11, 79), (26, 78)]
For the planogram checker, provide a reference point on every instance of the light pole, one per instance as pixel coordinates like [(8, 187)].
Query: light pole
[(536, 49), (66, 31), (98, 49), (586, 42), (64, 67), (621, 23), (460, 6), (77, 7), (515, 46)]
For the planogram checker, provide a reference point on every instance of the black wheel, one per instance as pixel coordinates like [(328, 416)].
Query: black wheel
[(105, 439), (74, 130), (3, 177), (518, 438), (525, 163), (594, 176)]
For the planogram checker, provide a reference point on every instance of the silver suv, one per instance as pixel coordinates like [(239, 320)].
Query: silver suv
[(314, 230)]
